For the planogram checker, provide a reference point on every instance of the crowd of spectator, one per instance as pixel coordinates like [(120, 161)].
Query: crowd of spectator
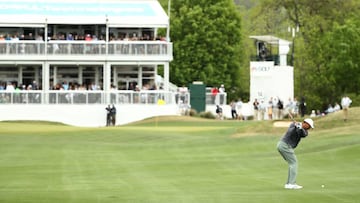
[(343, 105), (17, 37), (275, 108), (57, 43), (85, 37), (11, 86)]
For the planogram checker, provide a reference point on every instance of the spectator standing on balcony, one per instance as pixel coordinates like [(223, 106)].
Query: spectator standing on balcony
[(88, 37), (93, 86), (131, 86), (8, 37), (214, 93), (35, 85), (10, 87), (222, 94), (137, 88), (39, 38), (29, 37), (2, 45), (65, 85), (69, 37), (15, 37)]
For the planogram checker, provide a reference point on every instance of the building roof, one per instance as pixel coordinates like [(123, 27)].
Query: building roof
[(116, 13), (270, 39)]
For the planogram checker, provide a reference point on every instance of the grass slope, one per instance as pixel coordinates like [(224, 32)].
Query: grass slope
[(177, 159)]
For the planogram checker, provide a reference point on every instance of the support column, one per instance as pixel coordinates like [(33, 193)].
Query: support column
[(107, 81), (97, 73), (46, 82), (115, 77), (20, 75), (140, 79), (37, 75), (54, 75), (155, 77), (166, 77), (80, 75)]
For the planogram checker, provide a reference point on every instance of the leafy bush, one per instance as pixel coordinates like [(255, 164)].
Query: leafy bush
[(207, 114), (192, 112)]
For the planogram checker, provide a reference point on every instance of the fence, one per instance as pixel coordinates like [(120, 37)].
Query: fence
[(102, 97), (86, 97), (64, 47)]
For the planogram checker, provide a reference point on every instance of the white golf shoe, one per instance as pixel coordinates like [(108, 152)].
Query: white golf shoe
[(293, 186)]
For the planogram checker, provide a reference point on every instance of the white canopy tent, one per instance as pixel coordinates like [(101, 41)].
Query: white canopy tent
[(114, 13)]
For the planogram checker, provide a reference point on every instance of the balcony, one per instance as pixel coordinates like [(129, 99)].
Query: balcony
[(99, 97), (99, 50), (86, 97)]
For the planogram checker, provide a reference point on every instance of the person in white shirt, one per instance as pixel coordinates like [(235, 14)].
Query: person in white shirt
[(222, 94), (345, 104), (10, 87), (337, 107), (239, 105)]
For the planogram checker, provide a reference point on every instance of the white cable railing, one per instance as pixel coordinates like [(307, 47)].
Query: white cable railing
[(102, 97), (87, 97), (80, 47)]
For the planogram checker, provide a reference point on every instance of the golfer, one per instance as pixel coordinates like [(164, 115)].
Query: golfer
[(286, 147)]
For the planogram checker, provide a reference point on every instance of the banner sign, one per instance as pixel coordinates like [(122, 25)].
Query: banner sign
[(267, 80)]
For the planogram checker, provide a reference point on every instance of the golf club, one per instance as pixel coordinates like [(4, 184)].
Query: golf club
[(291, 116)]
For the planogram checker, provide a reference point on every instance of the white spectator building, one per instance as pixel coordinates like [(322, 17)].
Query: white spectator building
[(67, 60)]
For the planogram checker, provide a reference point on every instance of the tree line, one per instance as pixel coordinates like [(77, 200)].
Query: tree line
[(212, 44)]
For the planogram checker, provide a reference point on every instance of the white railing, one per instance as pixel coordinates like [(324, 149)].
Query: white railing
[(22, 47), (87, 97), (64, 47), (139, 48), (218, 99), (101, 97)]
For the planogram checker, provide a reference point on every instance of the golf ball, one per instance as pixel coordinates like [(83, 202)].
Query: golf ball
[(322, 186)]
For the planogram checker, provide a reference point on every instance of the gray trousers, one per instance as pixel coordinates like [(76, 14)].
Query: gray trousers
[(287, 152)]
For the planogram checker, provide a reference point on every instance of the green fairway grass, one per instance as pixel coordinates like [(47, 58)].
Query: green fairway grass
[(177, 159)]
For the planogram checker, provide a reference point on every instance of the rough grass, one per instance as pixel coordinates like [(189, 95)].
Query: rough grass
[(177, 159)]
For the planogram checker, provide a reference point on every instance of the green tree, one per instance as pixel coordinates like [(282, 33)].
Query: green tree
[(207, 43), (316, 48), (343, 54)]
